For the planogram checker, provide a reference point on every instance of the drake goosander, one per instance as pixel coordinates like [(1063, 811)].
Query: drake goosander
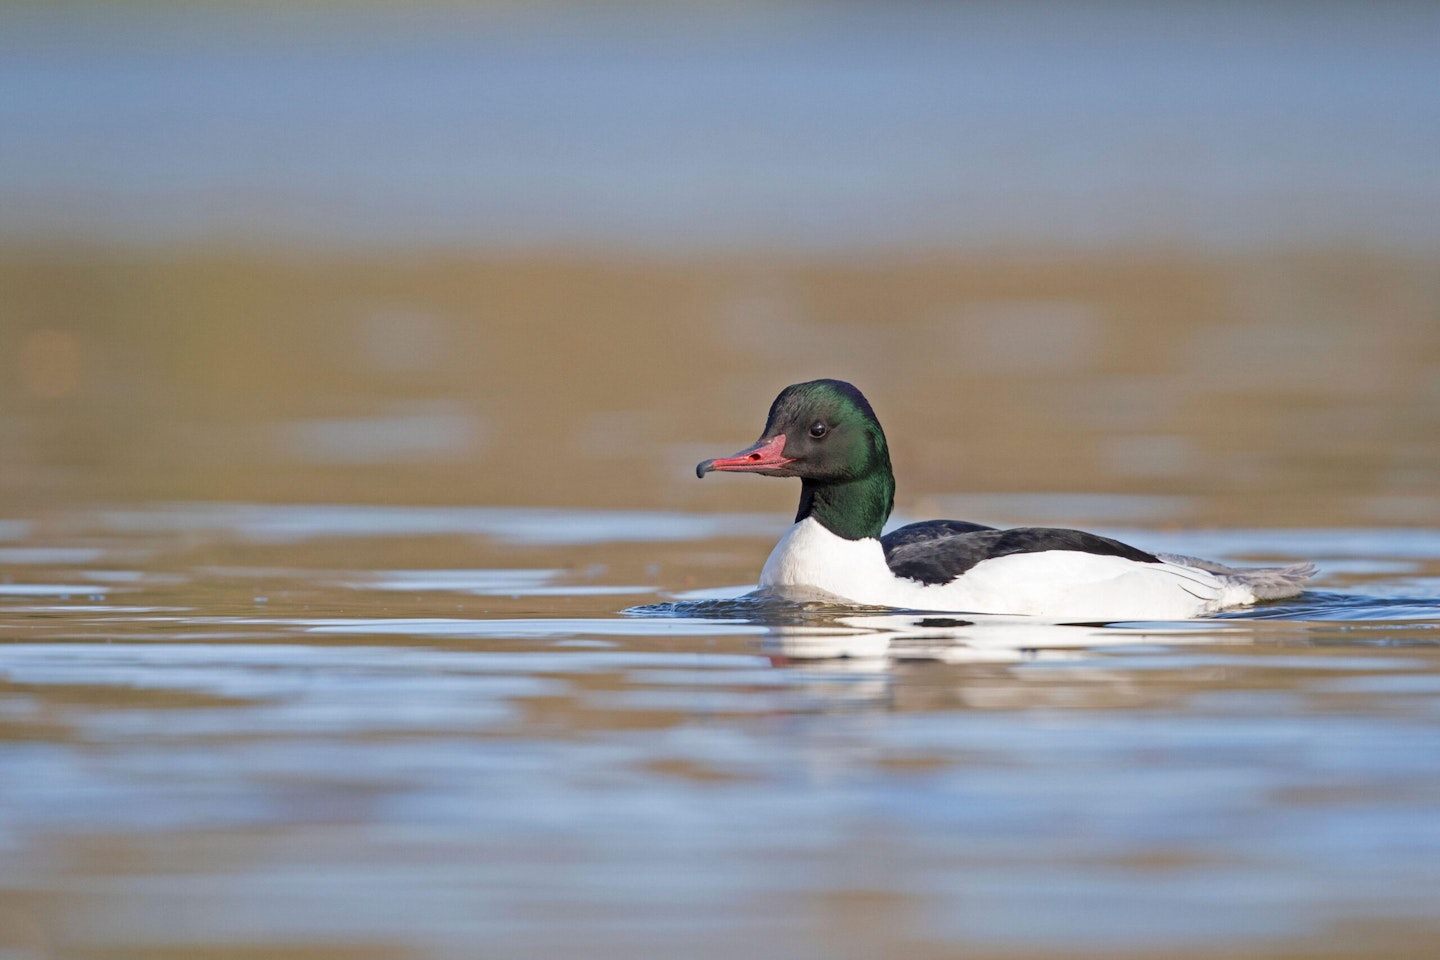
[(825, 433)]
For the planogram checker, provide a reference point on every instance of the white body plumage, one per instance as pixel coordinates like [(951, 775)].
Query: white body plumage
[(1066, 585)]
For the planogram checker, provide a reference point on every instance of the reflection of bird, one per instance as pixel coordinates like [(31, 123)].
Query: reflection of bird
[(867, 640), (825, 433)]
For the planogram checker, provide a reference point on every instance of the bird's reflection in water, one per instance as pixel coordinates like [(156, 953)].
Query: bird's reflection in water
[(898, 660)]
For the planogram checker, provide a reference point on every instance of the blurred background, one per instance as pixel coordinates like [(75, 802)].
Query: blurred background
[(552, 253)]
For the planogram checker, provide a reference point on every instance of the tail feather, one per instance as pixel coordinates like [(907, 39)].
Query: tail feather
[(1266, 583)]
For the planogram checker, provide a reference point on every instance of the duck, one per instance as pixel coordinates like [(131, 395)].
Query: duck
[(825, 433)]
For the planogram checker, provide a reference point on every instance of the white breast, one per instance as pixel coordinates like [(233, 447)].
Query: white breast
[(1053, 584), (811, 556)]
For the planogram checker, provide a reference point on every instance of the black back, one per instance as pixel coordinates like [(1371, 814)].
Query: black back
[(927, 530), (938, 551)]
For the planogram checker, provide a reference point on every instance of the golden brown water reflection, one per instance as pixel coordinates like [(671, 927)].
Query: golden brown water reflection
[(1279, 390)]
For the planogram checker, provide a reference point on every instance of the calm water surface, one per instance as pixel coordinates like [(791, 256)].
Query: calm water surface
[(1165, 272), (235, 730), (825, 127)]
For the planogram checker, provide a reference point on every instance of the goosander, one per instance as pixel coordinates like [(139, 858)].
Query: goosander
[(825, 433)]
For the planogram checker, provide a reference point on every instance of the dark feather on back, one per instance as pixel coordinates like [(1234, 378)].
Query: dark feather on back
[(927, 530), (938, 551)]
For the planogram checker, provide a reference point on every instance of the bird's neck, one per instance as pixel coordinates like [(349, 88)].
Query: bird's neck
[(854, 509)]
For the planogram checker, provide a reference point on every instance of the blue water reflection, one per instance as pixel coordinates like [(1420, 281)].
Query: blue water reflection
[(723, 127), (406, 751)]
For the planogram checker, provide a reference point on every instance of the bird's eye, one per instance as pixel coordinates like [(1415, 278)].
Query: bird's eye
[(818, 429)]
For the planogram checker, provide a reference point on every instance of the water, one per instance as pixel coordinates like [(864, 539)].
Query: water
[(825, 127), (238, 729), (357, 595)]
